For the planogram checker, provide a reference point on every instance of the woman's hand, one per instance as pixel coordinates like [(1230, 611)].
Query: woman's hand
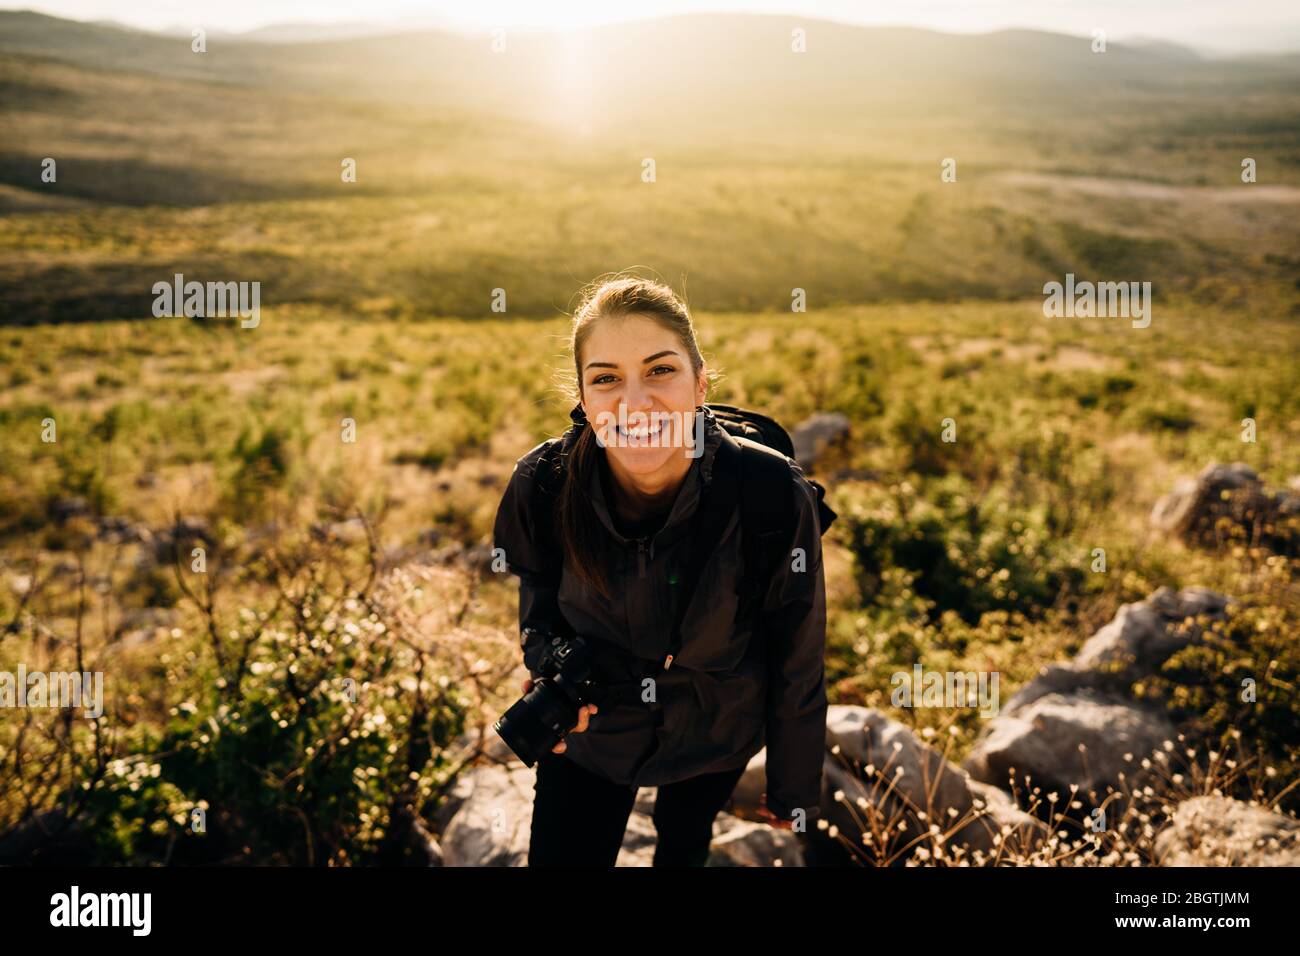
[(584, 717), (770, 818)]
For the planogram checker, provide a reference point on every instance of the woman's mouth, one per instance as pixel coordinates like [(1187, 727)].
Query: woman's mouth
[(639, 436)]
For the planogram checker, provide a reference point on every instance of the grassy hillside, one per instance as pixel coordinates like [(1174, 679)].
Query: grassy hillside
[(522, 170)]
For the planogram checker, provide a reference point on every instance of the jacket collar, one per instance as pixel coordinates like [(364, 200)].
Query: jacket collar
[(688, 498)]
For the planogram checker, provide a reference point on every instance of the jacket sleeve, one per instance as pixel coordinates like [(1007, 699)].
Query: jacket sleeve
[(795, 632), (515, 532)]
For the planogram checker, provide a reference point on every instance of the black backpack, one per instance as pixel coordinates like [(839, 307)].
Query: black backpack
[(750, 467)]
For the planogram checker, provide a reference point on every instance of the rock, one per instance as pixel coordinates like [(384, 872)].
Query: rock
[(1039, 729), (1219, 831), (491, 749), (859, 738), (1043, 739), (1144, 635), (638, 847), (814, 436), (749, 789), (929, 783), (491, 824), (745, 843), (1196, 510), (1289, 501), (869, 738), (1133, 644)]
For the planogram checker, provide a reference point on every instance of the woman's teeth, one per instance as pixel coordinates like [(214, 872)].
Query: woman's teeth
[(641, 435)]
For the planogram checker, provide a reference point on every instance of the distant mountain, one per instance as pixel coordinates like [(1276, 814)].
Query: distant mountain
[(712, 73), (112, 46), (316, 32)]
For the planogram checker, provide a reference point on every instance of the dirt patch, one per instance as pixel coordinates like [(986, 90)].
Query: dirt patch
[(933, 350), (1158, 192), (245, 380), (1073, 358)]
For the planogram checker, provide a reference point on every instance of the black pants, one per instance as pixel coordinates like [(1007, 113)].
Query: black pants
[(579, 818)]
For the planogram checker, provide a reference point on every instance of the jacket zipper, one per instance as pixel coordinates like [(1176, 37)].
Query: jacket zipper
[(640, 553)]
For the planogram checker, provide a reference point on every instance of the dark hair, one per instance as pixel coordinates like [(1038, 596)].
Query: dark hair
[(580, 530)]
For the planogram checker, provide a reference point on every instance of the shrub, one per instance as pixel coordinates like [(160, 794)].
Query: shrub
[(1242, 675), (960, 552)]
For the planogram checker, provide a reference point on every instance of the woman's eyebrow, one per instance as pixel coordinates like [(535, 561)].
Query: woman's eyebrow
[(644, 361)]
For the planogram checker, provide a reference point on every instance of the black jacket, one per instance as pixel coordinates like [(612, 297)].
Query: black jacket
[(735, 685)]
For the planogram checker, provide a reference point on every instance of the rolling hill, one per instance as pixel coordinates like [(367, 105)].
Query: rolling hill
[(523, 168)]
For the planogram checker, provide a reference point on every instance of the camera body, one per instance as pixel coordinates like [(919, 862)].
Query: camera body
[(540, 719)]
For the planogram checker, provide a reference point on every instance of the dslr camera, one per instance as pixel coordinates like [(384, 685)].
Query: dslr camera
[(542, 717)]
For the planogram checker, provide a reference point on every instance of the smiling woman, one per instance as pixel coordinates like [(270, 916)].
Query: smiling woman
[(637, 356), (655, 595)]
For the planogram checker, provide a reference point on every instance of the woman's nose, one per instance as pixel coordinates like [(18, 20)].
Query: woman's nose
[(637, 398)]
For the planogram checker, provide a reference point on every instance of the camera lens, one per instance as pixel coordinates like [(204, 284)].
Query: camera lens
[(537, 721)]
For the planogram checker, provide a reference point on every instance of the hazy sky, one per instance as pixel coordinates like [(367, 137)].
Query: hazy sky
[(1207, 24)]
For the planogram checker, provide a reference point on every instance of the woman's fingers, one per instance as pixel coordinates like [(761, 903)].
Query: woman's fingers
[(771, 819), (584, 719)]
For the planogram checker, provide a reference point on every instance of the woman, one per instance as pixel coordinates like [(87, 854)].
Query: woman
[(694, 689)]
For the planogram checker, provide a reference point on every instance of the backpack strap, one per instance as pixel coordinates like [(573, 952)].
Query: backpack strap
[(767, 511), (758, 478), (548, 483), (548, 479)]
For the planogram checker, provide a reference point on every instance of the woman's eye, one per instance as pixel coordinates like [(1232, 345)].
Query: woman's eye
[(662, 368), (602, 380)]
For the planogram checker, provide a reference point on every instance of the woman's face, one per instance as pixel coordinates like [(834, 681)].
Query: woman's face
[(639, 393)]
